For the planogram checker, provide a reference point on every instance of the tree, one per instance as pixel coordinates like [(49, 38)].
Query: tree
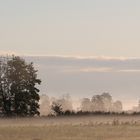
[(86, 104), (117, 106), (97, 103), (65, 102), (57, 109), (107, 100), (4, 87), (19, 95)]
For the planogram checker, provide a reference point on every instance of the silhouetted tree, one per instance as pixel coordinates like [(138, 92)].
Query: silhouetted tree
[(5, 103), (65, 102), (57, 108), (18, 93)]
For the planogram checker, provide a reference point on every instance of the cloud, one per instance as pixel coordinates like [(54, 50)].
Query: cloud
[(96, 69), (88, 64), (87, 70), (130, 70)]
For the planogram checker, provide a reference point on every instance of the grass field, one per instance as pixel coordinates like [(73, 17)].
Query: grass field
[(71, 128)]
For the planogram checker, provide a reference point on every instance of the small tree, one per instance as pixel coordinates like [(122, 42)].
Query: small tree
[(57, 109)]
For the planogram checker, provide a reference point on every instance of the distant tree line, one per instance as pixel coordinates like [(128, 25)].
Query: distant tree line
[(98, 104), (18, 93), (101, 103), (51, 106)]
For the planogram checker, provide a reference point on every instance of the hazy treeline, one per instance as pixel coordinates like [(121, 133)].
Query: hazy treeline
[(102, 103), (98, 103), (46, 104)]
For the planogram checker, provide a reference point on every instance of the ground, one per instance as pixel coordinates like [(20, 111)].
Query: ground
[(71, 128)]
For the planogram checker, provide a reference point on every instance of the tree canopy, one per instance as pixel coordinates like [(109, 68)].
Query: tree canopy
[(18, 92)]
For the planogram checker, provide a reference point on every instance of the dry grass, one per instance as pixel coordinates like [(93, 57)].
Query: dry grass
[(71, 128)]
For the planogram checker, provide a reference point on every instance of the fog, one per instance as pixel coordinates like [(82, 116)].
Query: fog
[(102, 103), (46, 103), (87, 76)]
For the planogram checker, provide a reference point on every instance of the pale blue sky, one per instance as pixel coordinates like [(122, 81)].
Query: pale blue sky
[(70, 27)]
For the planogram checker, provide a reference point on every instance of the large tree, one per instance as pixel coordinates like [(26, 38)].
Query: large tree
[(19, 95)]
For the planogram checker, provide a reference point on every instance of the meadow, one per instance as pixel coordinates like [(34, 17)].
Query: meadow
[(71, 128)]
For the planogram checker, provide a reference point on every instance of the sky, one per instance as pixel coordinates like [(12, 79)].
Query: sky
[(81, 47), (70, 27)]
